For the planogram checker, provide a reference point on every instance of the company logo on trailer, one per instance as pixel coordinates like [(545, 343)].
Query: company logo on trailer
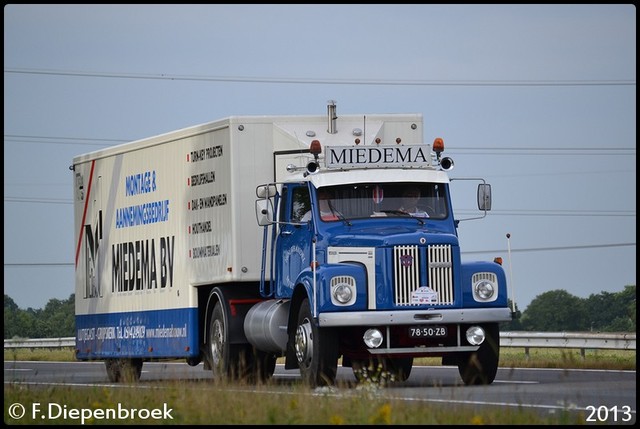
[(139, 265), (135, 265), (92, 241)]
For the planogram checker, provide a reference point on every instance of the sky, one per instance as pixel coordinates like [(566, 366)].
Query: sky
[(539, 100)]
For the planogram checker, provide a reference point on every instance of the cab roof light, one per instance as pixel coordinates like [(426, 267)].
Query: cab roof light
[(315, 148), (438, 145)]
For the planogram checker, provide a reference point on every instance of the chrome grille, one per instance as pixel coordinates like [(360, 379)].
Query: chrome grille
[(440, 271), (406, 272)]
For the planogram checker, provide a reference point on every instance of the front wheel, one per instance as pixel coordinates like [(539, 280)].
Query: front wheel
[(481, 366), (316, 349)]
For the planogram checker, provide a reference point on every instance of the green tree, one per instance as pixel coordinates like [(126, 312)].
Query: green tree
[(612, 312), (628, 297), (10, 317), (61, 317), (57, 319), (601, 309), (556, 310)]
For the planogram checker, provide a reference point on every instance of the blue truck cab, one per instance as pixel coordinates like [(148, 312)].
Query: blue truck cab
[(365, 266)]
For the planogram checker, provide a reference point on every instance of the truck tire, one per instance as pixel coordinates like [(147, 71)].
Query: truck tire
[(222, 356), (113, 370), (123, 370), (235, 361), (316, 350), (481, 366), (262, 364), (399, 368)]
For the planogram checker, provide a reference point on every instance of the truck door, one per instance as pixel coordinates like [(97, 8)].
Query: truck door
[(293, 242)]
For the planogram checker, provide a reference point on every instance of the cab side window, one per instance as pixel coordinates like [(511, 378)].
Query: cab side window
[(300, 203), (282, 205)]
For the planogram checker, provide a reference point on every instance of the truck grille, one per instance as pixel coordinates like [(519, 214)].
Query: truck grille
[(408, 263)]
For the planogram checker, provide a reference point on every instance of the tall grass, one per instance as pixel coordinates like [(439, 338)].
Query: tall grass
[(206, 402), (209, 403)]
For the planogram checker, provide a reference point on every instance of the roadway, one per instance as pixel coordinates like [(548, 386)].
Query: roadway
[(543, 390)]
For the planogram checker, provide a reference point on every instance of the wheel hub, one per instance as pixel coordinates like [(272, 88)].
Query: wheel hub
[(304, 343), (217, 336)]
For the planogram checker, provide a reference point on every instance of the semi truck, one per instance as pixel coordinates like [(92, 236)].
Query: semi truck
[(315, 239)]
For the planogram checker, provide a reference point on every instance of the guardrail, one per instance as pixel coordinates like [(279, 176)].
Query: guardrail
[(527, 340), (568, 340), (38, 343)]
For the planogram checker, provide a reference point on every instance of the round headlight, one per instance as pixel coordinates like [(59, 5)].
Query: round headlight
[(475, 335), (372, 338), (343, 293), (484, 289)]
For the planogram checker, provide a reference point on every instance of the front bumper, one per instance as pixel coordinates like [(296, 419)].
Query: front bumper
[(415, 317)]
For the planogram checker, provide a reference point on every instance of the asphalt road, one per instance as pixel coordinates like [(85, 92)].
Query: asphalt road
[(596, 393)]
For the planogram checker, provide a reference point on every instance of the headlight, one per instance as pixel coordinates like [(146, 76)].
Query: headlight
[(343, 293), (485, 287), (343, 290), (484, 290), (475, 335), (372, 338)]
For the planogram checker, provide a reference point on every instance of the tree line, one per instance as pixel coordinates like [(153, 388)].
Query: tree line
[(553, 311)]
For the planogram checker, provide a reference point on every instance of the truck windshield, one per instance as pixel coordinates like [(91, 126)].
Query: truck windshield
[(366, 200)]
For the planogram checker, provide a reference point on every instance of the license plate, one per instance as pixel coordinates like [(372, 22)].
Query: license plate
[(427, 331)]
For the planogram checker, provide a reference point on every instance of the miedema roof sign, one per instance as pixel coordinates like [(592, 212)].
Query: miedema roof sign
[(378, 156)]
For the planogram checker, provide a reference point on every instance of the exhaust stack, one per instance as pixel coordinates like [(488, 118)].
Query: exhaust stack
[(331, 116)]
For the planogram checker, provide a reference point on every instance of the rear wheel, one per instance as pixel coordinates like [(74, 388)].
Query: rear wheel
[(235, 361), (316, 350), (222, 356), (124, 370), (262, 364), (481, 366)]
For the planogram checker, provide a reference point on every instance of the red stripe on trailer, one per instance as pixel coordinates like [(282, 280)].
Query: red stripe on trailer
[(84, 212)]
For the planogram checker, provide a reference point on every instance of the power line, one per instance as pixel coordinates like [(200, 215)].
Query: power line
[(532, 249), (547, 249), (573, 213), (324, 81), (40, 264), (36, 200), (544, 151), (17, 138)]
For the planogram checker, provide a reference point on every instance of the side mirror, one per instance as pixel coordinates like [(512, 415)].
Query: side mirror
[(266, 191), (484, 197), (264, 212)]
